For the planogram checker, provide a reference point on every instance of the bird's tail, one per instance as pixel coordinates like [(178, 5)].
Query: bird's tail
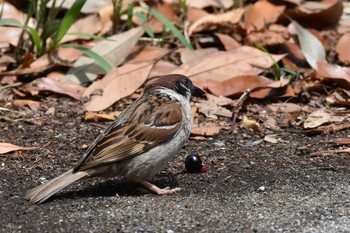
[(46, 190)]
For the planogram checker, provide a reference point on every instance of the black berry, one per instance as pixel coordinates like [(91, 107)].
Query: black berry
[(193, 163)]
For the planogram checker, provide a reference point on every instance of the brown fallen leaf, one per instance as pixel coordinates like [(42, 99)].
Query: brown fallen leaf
[(285, 107), (260, 14), (145, 53), (272, 90), (336, 73), (339, 97), (168, 11), (234, 86), (343, 48), (162, 68), (212, 110), (45, 84), (231, 17), (332, 128), (118, 83), (32, 104), (290, 119), (317, 14), (114, 50), (220, 100), (227, 41), (11, 35), (91, 116), (8, 147), (207, 130), (187, 55), (224, 65), (271, 138), (194, 14), (200, 4), (90, 24)]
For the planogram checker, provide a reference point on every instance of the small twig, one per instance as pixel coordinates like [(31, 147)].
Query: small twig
[(10, 85), (238, 106)]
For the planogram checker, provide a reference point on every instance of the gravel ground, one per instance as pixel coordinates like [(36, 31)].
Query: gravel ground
[(263, 187)]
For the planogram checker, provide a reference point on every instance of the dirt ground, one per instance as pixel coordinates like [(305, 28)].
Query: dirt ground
[(250, 186)]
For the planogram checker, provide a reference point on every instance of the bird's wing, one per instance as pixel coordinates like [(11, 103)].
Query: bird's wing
[(144, 125)]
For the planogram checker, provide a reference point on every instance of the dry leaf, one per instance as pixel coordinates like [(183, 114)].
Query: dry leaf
[(11, 35), (234, 86), (162, 68), (227, 41), (220, 100), (336, 73), (91, 116), (221, 66), (317, 118), (343, 48), (231, 17), (118, 83), (168, 11), (271, 138), (89, 6), (189, 55), (32, 104), (7, 147), (272, 90), (212, 110), (114, 50), (311, 47), (317, 14), (194, 14), (146, 53), (90, 24), (207, 130), (260, 14), (285, 107), (45, 84), (200, 4), (339, 97), (251, 124)]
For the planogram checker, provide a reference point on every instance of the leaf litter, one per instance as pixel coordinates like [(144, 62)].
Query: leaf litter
[(301, 69)]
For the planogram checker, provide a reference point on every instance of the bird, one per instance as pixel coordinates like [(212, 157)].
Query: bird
[(139, 143)]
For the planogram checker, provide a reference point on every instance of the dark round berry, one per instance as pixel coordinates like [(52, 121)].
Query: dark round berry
[(193, 163)]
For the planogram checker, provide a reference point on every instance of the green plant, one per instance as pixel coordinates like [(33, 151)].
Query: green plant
[(278, 71), (47, 34), (170, 25)]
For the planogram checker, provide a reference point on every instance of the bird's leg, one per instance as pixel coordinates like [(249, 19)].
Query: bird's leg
[(153, 188)]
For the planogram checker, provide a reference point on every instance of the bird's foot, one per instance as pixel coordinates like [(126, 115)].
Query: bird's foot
[(153, 188)]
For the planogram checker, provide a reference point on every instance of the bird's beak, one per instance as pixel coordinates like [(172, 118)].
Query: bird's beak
[(195, 91)]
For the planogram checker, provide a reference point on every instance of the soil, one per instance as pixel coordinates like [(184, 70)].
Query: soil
[(250, 186)]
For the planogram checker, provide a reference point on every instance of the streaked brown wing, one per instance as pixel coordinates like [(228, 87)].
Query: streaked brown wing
[(148, 125)]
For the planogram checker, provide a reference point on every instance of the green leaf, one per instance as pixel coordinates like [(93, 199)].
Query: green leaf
[(99, 59), (32, 32), (67, 21), (171, 27), (143, 19)]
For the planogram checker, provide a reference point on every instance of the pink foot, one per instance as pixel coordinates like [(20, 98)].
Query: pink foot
[(159, 191)]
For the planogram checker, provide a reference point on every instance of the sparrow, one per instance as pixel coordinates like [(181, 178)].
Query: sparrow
[(139, 143)]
